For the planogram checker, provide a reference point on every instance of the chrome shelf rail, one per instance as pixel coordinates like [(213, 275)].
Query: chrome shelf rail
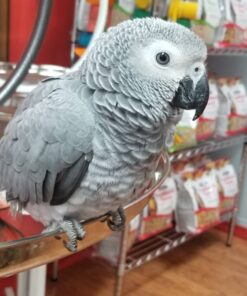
[(207, 147), (231, 51), (144, 251)]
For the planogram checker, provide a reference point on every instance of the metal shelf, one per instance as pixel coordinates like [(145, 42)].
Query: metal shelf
[(231, 51), (144, 251), (207, 147)]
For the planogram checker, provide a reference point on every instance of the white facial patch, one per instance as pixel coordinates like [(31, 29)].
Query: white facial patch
[(143, 60)]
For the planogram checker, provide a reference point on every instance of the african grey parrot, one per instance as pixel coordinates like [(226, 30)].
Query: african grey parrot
[(87, 143)]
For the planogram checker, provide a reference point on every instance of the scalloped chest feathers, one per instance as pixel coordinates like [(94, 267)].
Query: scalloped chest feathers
[(124, 157)]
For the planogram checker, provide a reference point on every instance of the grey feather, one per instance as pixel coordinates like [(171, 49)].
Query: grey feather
[(114, 85), (69, 180), (48, 186), (102, 70), (34, 152), (115, 75)]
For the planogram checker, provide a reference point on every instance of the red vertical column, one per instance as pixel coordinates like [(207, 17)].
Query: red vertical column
[(55, 48)]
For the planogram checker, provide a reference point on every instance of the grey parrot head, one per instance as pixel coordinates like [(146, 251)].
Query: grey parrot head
[(158, 62)]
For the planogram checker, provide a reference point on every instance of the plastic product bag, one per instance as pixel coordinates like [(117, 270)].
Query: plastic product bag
[(198, 200), (227, 184), (185, 132), (238, 116), (158, 214), (232, 117), (207, 121)]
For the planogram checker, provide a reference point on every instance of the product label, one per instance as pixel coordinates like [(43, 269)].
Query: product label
[(228, 180), (207, 191), (165, 197)]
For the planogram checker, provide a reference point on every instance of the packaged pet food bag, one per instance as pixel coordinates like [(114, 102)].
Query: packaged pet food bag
[(227, 184), (198, 200), (207, 121), (185, 132), (232, 116), (158, 214)]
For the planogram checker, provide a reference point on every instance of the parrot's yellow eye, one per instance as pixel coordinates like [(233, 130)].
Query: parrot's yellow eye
[(162, 58)]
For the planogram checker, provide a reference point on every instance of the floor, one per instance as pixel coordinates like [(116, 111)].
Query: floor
[(203, 266)]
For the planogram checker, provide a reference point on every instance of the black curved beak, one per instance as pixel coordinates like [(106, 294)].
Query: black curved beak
[(187, 97)]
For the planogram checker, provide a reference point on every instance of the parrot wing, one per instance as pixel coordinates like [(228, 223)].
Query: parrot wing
[(47, 147)]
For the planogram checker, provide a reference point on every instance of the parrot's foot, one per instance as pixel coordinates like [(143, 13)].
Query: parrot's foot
[(116, 220), (74, 232)]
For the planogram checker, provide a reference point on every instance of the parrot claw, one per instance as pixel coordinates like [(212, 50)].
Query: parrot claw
[(74, 232), (116, 220)]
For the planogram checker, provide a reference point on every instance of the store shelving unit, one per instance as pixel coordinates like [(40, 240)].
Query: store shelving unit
[(144, 251), (228, 51)]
